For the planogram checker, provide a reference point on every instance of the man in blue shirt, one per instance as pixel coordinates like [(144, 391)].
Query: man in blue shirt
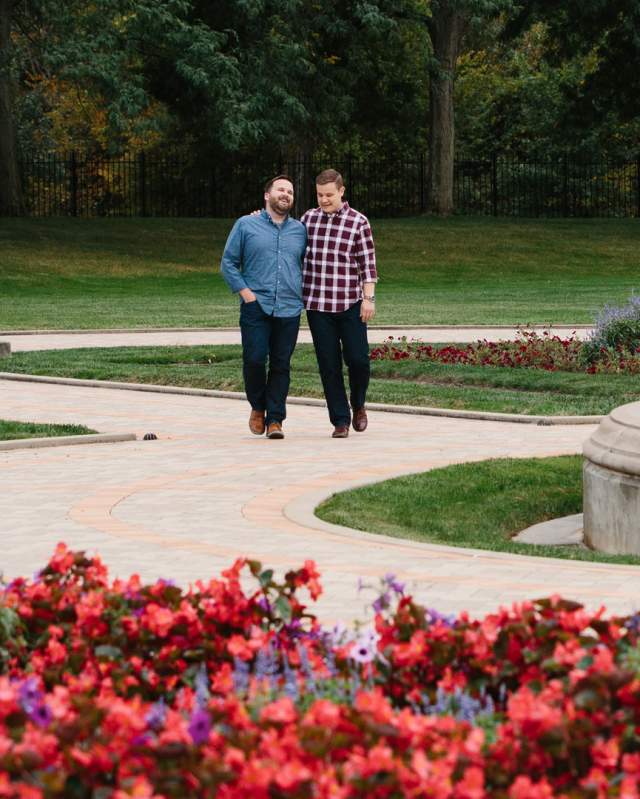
[(262, 262)]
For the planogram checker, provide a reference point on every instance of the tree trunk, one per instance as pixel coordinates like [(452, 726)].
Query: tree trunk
[(447, 27), (10, 186)]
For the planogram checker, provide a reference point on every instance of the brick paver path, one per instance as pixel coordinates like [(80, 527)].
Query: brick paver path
[(65, 340), (186, 505)]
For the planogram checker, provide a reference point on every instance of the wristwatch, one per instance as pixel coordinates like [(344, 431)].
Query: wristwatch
[(369, 299)]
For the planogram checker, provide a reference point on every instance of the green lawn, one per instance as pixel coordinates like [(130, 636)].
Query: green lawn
[(408, 382), (87, 273), (476, 505), (11, 430)]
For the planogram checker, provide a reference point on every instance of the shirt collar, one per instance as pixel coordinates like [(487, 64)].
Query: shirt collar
[(339, 212), (266, 215)]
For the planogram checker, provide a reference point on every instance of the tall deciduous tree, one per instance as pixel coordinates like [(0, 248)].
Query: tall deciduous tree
[(448, 21), (10, 187)]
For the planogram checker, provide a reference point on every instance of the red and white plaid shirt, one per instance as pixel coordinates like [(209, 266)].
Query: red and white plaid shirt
[(339, 258)]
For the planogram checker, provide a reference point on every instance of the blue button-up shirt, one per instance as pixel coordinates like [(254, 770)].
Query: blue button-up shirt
[(267, 258)]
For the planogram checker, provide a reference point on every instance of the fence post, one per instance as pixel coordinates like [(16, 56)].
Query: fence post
[(638, 184), (73, 183), (494, 184), (565, 187), (142, 183)]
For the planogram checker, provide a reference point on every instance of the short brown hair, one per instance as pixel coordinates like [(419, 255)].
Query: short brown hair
[(269, 183), (330, 176)]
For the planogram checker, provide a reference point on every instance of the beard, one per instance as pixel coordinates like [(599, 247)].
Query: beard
[(280, 206)]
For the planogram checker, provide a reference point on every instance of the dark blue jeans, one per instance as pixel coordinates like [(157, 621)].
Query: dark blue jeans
[(337, 336), (273, 339)]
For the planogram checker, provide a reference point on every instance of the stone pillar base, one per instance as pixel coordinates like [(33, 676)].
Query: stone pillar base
[(611, 479), (611, 510)]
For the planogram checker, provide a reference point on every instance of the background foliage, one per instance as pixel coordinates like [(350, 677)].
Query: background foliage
[(309, 79), (115, 74)]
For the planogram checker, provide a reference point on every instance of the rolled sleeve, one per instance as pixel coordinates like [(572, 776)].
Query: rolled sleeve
[(365, 254)]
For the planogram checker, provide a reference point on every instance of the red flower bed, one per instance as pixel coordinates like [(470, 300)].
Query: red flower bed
[(529, 350), (115, 690)]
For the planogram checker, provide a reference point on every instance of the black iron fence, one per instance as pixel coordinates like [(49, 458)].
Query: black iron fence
[(165, 186)]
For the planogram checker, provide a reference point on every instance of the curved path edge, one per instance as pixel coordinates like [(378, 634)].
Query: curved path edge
[(65, 441), (237, 395), (301, 510)]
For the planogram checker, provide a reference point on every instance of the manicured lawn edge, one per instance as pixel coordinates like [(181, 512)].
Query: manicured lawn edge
[(65, 441), (12, 429), (358, 516), (384, 407)]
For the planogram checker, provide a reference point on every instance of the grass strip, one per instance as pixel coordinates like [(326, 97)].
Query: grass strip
[(10, 430), (475, 505), (420, 383), (110, 273)]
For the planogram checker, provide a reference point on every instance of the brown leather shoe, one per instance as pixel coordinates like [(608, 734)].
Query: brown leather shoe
[(256, 422), (360, 420), (341, 431), (275, 430)]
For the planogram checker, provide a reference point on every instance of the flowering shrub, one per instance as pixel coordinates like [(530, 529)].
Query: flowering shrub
[(616, 330), (529, 350), (614, 343), (119, 690)]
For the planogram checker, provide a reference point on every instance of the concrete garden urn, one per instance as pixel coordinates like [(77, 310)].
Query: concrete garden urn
[(611, 479)]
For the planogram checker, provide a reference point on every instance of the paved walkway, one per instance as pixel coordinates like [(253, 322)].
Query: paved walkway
[(186, 505), (66, 340)]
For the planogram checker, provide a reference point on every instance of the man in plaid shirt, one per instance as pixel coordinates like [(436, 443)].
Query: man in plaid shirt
[(338, 282)]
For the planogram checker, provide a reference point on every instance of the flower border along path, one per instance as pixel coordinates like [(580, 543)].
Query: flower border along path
[(126, 689)]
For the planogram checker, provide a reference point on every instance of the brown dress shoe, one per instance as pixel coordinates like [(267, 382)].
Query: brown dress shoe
[(275, 430), (256, 422), (341, 431), (360, 420)]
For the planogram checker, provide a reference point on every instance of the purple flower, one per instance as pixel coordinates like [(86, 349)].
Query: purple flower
[(633, 623), (40, 714), (202, 686), (29, 695), (336, 636), (266, 665), (290, 680), (240, 676), (293, 629), (365, 647), (199, 726), (393, 584), (307, 670), (156, 715), (381, 603), (434, 616)]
